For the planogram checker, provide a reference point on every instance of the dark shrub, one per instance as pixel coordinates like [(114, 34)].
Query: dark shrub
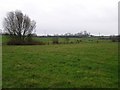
[(78, 41), (97, 41), (55, 40), (113, 40), (71, 42), (19, 42)]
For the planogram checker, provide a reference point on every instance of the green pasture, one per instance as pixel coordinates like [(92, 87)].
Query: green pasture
[(85, 65)]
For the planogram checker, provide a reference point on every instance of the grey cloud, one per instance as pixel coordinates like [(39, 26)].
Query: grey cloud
[(61, 16)]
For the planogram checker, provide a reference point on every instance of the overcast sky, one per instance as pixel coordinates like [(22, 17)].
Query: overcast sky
[(63, 16)]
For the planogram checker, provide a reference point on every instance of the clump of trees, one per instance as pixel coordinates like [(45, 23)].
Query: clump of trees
[(19, 27), (115, 38), (79, 34)]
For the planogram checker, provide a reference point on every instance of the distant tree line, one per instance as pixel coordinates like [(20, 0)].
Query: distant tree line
[(113, 38), (77, 35)]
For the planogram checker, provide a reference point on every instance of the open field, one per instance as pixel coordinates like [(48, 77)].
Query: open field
[(61, 66)]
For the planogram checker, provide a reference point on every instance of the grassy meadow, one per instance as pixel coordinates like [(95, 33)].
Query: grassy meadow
[(87, 64)]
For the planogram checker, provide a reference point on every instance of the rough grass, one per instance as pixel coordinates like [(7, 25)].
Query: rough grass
[(92, 65)]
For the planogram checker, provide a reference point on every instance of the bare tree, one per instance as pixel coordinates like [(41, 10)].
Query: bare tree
[(18, 25)]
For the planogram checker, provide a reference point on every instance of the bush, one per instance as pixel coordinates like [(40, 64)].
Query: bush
[(19, 42), (55, 40), (78, 41), (113, 40)]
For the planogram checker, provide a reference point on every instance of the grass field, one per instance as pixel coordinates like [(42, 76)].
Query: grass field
[(92, 65)]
